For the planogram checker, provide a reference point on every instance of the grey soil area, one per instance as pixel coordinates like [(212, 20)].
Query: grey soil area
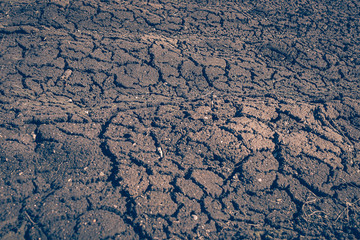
[(173, 119)]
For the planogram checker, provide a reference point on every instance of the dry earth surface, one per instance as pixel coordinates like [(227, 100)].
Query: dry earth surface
[(178, 119)]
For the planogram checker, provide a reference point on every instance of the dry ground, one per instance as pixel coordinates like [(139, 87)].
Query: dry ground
[(179, 119)]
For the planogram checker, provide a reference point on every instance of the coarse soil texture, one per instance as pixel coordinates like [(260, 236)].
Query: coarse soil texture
[(179, 119)]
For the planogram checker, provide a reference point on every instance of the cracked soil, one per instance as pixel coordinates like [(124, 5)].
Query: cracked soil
[(173, 119)]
